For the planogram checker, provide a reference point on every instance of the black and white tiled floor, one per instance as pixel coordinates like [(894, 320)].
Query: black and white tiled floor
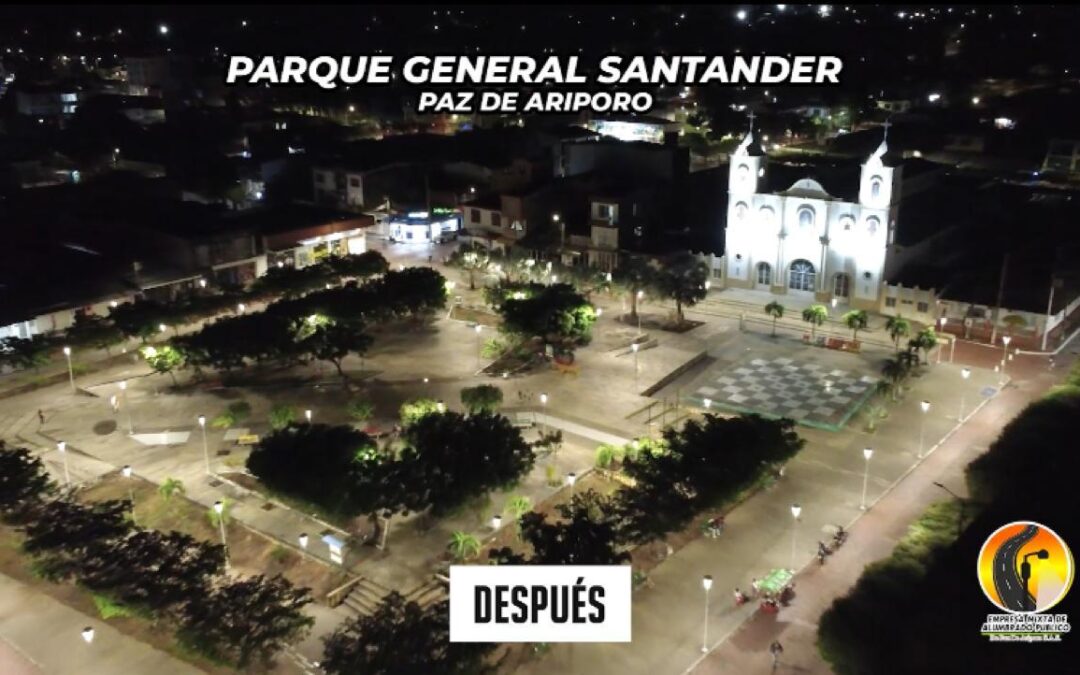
[(805, 391)]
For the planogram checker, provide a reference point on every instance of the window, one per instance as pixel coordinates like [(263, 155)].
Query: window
[(764, 274), (474, 215), (841, 285), (872, 225), (890, 302), (875, 187), (806, 217), (517, 225), (354, 181), (846, 222), (740, 211), (922, 306), (604, 211), (496, 220), (801, 276), (742, 174)]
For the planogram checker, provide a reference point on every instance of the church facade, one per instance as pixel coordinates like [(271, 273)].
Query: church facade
[(804, 241)]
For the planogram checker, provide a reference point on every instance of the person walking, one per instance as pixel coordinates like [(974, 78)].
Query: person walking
[(41, 418), (755, 586), (776, 649)]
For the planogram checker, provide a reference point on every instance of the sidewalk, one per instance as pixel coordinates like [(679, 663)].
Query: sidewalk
[(47, 635), (872, 538)]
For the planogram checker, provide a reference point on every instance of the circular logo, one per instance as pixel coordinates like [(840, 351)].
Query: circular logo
[(1025, 567)]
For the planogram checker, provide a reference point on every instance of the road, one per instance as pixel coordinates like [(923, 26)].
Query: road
[(1010, 587)]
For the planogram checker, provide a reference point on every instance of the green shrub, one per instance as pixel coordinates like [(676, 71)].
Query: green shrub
[(108, 608)]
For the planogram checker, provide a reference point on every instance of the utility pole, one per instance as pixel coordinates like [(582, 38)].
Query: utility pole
[(1049, 312)]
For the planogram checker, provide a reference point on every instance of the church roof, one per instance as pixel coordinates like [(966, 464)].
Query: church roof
[(807, 187)]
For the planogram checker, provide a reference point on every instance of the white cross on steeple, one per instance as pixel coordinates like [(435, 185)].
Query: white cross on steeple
[(752, 116), (886, 125)]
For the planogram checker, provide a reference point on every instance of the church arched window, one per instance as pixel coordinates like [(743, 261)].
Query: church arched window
[(875, 187), (846, 222), (742, 173), (872, 225), (740, 211), (806, 217)]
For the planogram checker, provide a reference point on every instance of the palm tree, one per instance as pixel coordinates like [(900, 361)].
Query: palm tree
[(776, 311), (894, 371), (926, 339), (815, 315), (898, 327), (518, 506), (464, 546), (171, 486), (856, 320)]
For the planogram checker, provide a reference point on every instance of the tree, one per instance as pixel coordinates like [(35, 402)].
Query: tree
[(141, 318), (246, 621), (897, 327), (637, 277), (171, 486), (91, 330), (336, 468), (402, 638), (23, 480), (152, 569), (334, 340), (484, 398), (815, 315), (413, 410), (700, 466), (464, 546), (61, 532), (856, 320), (450, 458), (22, 353), (683, 279), (360, 410), (556, 312), (358, 266), (471, 258), (776, 311), (586, 534), (237, 412), (281, 416), (924, 340), (163, 359)]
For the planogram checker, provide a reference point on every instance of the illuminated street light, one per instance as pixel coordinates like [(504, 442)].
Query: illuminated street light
[(126, 471), (303, 541), (163, 29), (307, 415), (867, 453), (635, 348), (964, 373), (571, 478), (88, 635), (71, 371), (496, 522), (925, 407), (205, 447), (162, 327), (941, 329), (795, 511), (478, 345), (219, 509), (62, 447), (706, 583), (1005, 340)]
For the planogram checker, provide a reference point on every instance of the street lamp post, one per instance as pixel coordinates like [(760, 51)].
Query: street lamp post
[(543, 403), (205, 446), (124, 402), (867, 453), (131, 492), (88, 635), (963, 504), (941, 329), (795, 511), (62, 447), (219, 509), (925, 407), (496, 522), (706, 583), (71, 371), (478, 348), (571, 478), (307, 415), (1005, 340), (635, 347), (964, 373), (640, 295), (303, 541)]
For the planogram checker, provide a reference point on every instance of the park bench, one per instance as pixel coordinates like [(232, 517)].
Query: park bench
[(247, 439)]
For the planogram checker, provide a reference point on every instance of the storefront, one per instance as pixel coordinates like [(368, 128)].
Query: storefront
[(437, 225)]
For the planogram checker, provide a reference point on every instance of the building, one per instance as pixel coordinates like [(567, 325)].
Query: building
[(419, 227), (802, 239)]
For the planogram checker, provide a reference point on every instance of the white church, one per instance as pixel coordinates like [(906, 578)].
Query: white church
[(804, 241)]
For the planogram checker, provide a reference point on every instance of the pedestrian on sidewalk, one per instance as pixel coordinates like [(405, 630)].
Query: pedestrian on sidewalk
[(776, 649), (41, 418), (755, 586)]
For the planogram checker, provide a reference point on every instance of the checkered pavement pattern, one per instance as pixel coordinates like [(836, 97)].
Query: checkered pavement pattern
[(805, 391)]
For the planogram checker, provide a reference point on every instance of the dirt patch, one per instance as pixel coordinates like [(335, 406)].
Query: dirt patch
[(474, 315), (249, 553)]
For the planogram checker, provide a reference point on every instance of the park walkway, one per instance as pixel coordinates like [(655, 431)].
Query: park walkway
[(47, 635)]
